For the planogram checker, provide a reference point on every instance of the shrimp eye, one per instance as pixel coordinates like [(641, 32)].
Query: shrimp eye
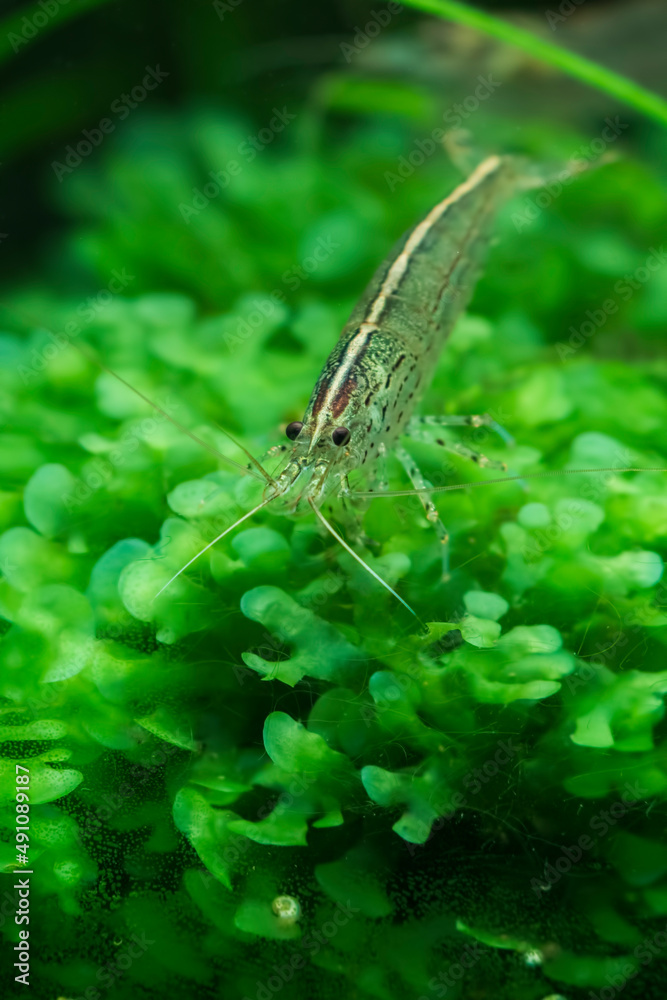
[(293, 430), (340, 435)]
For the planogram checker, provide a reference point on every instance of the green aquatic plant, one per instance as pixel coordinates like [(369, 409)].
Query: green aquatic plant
[(314, 727), (267, 780), (571, 63)]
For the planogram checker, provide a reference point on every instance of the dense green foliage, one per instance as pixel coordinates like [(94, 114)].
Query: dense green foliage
[(485, 794)]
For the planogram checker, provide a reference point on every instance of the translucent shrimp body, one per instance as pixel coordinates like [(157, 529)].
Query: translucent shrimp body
[(386, 355)]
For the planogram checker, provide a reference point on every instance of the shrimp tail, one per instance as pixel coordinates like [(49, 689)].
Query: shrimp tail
[(526, 174)]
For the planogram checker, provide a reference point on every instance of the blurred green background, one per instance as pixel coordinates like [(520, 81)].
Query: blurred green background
[(275, 724)]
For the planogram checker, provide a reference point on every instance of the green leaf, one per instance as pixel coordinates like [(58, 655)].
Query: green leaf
[(480, 632), (320, 650), (46, 729), (481, 604), (63, 616), (283, 828), (208, 831), (46, 783), (434, 632), (46, 499), (628, 571), (572, 63), (28, 560), (391, 789), (290, 745), (625, 711), (639, 860), (170, 728), (255, 916), (262, 549), (181, 607)]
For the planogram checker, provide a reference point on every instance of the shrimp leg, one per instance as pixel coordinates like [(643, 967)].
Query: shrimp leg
[(420, 483)]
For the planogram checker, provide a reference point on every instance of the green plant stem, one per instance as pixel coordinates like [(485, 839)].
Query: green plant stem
[(574, 65)]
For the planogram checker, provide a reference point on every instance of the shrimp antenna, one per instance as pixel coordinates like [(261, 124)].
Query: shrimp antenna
[(89, 354), (210, 544), (486, 482), (332, 531)]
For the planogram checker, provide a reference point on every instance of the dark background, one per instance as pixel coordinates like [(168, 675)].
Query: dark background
[(262, 53)]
